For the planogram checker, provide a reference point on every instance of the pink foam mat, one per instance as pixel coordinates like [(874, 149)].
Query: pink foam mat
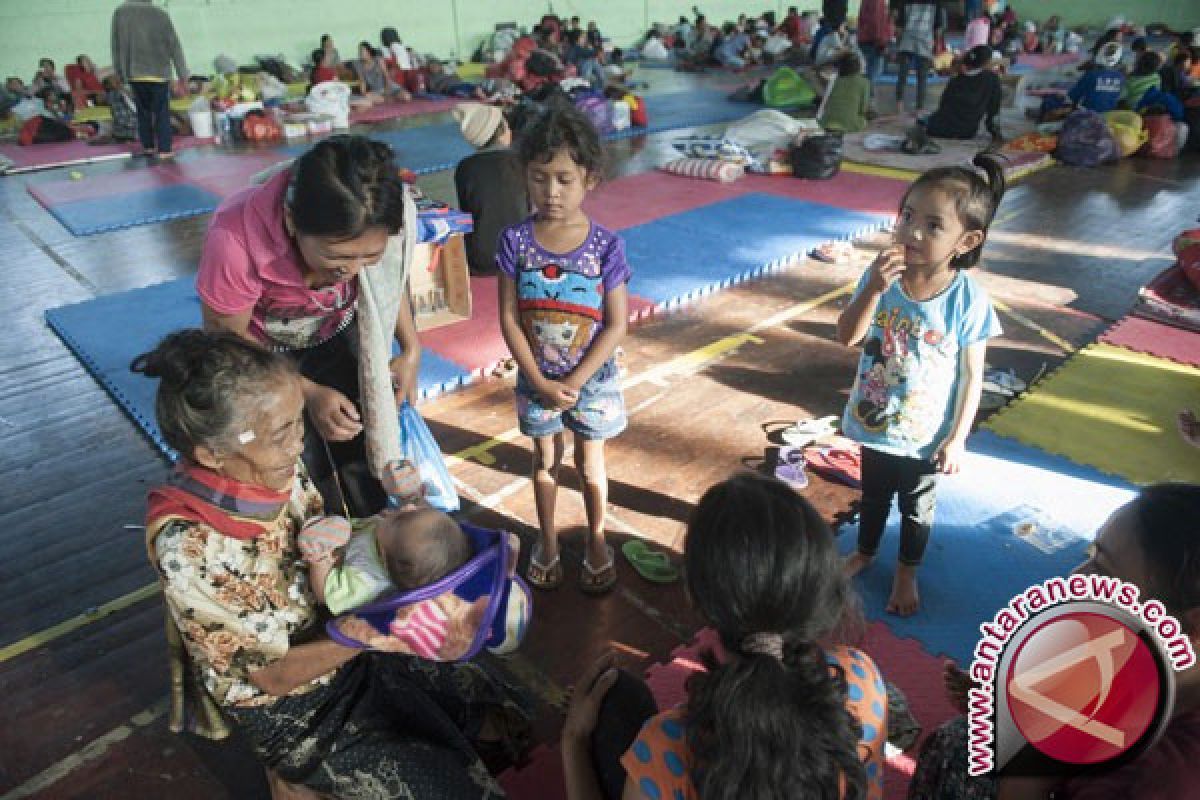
[(1156, 339), (645, 197), (637, 199), (421, 105), (61, 154), (849, 190), (221, 174)]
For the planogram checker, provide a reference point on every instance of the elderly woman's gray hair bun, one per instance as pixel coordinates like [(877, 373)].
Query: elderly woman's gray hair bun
[(205, 380)]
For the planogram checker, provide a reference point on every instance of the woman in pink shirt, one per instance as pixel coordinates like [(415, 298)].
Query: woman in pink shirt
[(279, 268)]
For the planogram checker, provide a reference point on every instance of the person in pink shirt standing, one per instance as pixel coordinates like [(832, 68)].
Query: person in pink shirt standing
[(279, 267)]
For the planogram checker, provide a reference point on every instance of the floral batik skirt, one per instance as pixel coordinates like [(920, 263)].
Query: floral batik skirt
[(389, 726)]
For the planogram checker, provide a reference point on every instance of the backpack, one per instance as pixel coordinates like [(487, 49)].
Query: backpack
[(596, 108), (1161, 141), (1086, 140), (817, 158)]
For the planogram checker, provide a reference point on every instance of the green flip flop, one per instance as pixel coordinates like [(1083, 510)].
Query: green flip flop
[(653, 565)]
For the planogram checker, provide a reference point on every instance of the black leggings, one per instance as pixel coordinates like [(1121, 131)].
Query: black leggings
[(914, 482), (347, 481), (624, 711)]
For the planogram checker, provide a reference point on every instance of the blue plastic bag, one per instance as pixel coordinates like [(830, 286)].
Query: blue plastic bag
[(421, 449)]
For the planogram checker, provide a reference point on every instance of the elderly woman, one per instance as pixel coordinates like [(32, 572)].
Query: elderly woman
[(241, 618), (1153, 543), (280, 267)]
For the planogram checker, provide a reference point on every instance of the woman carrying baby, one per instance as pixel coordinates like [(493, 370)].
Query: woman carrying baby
[(246, 642)]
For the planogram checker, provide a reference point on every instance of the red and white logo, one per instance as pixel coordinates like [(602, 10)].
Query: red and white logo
[(1083, 688)]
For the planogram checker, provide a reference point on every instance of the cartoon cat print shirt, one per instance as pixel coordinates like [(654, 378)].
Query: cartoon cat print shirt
[(904, 397), (560, 296)]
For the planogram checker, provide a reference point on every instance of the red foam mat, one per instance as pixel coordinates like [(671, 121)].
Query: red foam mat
[(1156, 339), (636, 199), (61, 154), (421, 105)]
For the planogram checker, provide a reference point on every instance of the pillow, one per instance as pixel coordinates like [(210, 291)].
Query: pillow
[(707, 168)]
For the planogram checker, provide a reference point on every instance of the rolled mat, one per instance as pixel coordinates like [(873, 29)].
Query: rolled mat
[(707, 168)]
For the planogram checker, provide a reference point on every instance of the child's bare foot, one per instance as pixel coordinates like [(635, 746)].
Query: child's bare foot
[(904, 601), (855, 563)]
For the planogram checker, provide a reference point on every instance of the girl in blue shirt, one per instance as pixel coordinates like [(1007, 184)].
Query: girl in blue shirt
[(924, 325)]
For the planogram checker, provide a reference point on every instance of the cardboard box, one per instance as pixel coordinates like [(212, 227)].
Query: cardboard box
[(440, 284)]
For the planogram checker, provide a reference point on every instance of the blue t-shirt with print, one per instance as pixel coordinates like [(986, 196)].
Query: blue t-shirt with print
[(904, 397), (1098, 90), (560, 296)]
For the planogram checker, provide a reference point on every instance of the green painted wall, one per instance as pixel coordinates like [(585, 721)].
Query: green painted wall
[(62, 29)]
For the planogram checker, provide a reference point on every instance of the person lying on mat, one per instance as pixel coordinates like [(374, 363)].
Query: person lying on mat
[(782, 712), (246, 644), (1154, 544), (972, 96), (279, 267)]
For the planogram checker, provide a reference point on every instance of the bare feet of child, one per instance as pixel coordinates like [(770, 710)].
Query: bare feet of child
[(904, 601), (855, 563)]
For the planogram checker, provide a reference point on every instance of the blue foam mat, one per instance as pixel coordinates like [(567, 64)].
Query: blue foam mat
[(975, 563), (143, 207), (687, 255), (106, 333)]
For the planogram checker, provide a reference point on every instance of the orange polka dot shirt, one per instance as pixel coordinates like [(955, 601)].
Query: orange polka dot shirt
[(658, 762)]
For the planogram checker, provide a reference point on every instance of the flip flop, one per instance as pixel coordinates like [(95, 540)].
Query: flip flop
[(599, 580), (805, 432), (544, 576), (790, 467), (653, 565), (840, 464)]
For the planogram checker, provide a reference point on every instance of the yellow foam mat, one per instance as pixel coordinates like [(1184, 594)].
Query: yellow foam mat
[(104, 113), (1112, 409)]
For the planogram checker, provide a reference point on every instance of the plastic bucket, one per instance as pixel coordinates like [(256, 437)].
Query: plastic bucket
[(202, 124)]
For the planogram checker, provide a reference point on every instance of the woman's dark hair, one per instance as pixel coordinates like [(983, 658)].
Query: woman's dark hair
[(561, 127), (46, 62), (318, 56), (1181, 58), (389, 37), (1147, 63), (848, 63), (325, 37), (370, 49), (978, 57), (1138, 45), (345, 185), (976, 197), (1168, 516), (760, 560), (208, 383)]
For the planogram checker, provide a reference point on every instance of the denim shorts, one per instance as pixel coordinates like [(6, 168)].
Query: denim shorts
[(599, 414)]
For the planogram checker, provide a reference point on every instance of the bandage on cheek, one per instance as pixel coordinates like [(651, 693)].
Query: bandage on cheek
[(246, 437)]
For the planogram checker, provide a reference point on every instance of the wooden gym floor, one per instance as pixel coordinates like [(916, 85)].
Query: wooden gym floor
[(81, 649)]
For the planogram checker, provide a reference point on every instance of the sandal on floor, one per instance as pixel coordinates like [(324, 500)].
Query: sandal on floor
[(840, 464), (598, 580), (789, 467), (653, 565), (807, 431), (544, 576)]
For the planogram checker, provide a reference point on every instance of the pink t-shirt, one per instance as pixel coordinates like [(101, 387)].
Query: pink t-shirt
[(1167, 771), (250, 262), (977, 33)]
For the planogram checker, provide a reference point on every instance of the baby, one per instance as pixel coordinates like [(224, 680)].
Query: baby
[(351, 564)]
